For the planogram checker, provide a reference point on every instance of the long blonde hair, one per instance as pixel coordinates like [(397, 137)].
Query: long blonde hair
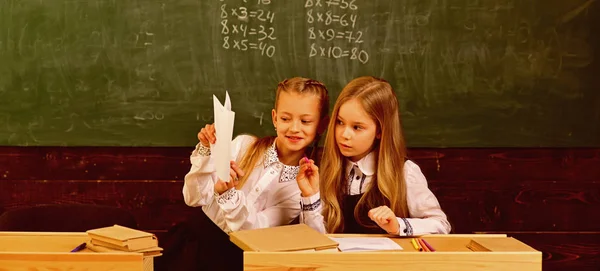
[(387, 186), (300, 85)]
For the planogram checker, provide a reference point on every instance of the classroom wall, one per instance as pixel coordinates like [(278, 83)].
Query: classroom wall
[(546, 197), (468, 73), (482, 84)]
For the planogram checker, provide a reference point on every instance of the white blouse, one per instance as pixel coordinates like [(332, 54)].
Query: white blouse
[(426, 214), (269, 197)]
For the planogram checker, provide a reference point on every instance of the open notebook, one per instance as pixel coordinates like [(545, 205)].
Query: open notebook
[(366, 244)]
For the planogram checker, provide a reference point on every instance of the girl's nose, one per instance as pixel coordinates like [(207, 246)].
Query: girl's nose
[(347, 133), (294, 127)]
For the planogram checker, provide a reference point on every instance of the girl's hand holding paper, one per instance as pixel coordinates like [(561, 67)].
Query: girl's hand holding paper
[(207, 135), (235, 172)]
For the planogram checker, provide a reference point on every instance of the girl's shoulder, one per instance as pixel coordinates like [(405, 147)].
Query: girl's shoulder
[(245, 139), (413, 173), (241, 144), (409, 164)]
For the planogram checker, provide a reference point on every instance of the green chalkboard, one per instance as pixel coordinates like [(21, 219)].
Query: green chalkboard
[(468, 73)]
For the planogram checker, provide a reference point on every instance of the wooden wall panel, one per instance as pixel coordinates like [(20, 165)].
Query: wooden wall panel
[(565, 250), (529, 205), (157, 205), (145, 163), (509, 165), (480, 189), (93, 163), (544, 197)]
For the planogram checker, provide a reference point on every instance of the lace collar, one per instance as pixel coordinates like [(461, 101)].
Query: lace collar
[(289, 173)]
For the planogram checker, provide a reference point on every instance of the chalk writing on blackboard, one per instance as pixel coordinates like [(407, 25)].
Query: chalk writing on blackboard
[(331, 21), (248, 28)]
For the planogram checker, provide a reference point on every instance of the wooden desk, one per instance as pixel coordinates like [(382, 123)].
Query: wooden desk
[(451, 254), (26, 251)]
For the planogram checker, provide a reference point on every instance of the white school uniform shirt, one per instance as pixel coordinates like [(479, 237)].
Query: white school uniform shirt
[(426, 214), (269, 197)]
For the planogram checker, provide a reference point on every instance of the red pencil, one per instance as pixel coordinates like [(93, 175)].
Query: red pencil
[(428, 245), (425, 248)]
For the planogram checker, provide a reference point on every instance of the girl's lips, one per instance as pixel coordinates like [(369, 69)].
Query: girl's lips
[(294, 138)]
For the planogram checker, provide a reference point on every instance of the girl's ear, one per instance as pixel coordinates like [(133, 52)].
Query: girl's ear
[(274, 117), (323, 125), (378, 136)]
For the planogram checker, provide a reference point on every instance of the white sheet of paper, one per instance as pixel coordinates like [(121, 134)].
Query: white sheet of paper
[(221, 150), (366, 243)]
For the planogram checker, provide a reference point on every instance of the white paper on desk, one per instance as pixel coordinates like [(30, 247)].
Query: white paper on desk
[(366, 243), (221, 150)]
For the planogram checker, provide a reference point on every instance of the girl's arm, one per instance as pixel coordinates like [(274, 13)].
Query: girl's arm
[(199, 182), (426, 214), (311, 214), (308, 183), (238, 215)]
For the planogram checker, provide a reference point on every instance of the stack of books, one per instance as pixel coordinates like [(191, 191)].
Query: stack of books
[(122, 239)]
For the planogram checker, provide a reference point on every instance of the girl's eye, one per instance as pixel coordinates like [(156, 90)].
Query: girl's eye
[(339, 122), (357, 127), (306, 121), (284, 119)]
